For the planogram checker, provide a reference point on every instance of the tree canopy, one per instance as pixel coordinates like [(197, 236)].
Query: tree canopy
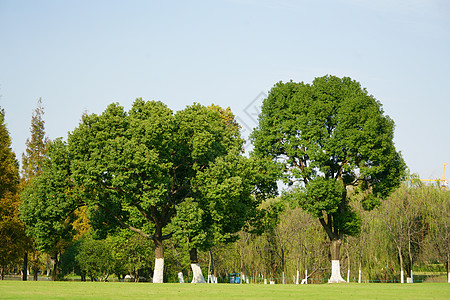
[(139, 166)]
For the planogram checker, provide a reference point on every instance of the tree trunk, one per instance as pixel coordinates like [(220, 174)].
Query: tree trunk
[(211, 268), (359, 275), (197, 275), (180, 267), (448, 268), (282, 263), (348, 265), (336, 276), (35, 265), (158, 272), (2, 273), (401, 265), (55, 267), (25, 267)]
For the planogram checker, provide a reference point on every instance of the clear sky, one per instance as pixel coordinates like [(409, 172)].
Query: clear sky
[(83, 55)]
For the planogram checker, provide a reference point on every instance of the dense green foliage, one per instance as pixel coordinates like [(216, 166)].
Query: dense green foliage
[(329, 136), (9, 169), (48, 202)]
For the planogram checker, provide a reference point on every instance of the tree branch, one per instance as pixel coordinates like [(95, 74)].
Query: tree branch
[(327, 228), (123, 224)]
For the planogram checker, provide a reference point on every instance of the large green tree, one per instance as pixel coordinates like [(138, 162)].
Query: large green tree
[(49, 202), (333, 139), (138, 166)]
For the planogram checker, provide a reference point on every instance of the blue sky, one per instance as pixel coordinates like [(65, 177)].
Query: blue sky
[(84, 55)]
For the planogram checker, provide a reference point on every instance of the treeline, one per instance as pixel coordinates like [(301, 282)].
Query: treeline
[(129, 185)]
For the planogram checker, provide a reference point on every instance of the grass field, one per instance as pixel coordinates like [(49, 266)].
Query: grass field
[(106, 290)]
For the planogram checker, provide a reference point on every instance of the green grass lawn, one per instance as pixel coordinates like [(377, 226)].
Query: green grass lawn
[(115, 290)]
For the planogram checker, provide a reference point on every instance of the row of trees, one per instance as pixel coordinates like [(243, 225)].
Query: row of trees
[(182, 184), (407, 231)]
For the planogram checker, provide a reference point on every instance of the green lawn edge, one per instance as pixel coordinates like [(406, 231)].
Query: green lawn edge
[(111, 290)]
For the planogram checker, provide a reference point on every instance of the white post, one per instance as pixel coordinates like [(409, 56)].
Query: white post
[(448, 275), (401, 277), (359, 276), (298, 275), (306, 276)]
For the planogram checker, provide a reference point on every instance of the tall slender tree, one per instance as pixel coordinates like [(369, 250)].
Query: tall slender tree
[(9, 168), (35, 153), (32, 162), (333, 139), (12, 233)]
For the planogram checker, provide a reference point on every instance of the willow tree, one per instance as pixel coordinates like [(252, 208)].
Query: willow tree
[(137, 167), (334, 141)]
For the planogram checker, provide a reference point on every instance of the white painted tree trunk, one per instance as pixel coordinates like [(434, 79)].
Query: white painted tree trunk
[(197, 274), (158, 273), (348, 275), (412, 280), (359, 276), (180, 277), (305, 280), (448, 279), (336, 276), (298, 277), (401, 277)]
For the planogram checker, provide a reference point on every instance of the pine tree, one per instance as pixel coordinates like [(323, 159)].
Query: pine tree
[(34, 155), (9, 174), (12, 232)]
